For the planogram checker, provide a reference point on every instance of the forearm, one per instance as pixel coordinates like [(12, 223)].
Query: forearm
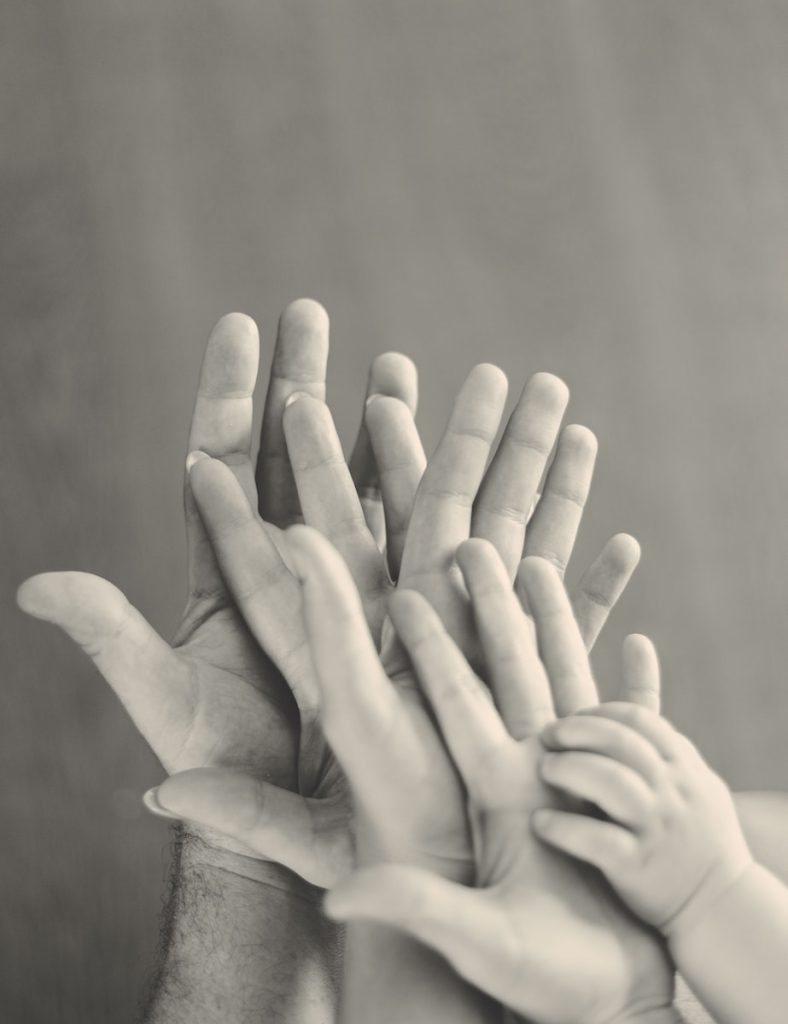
[(241, 950), (734, 955)]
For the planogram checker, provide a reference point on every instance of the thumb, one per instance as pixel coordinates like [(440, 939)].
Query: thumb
[(308, 836), (141, 668), (462, 924)]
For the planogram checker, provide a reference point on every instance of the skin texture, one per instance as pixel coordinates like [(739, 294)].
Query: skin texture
[(458, 494), (672, 848), (214, 698), (231, 706), (670, 841), (534, 912)]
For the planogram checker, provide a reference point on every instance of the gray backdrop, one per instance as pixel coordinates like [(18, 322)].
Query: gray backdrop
[(597, 189)]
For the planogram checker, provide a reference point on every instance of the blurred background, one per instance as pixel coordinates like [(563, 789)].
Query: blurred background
[(597, 189)]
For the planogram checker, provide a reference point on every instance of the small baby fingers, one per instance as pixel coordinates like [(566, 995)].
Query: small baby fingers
[(620, 793), (601, 843), (615, 740)]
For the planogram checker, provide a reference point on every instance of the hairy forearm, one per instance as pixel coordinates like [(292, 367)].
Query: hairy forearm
[(241, 950)]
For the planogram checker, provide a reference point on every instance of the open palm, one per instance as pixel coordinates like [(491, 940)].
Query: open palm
[(531, 912), (215, 698), (457, 495)]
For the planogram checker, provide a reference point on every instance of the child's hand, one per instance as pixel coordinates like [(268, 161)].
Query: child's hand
[(670, 842)]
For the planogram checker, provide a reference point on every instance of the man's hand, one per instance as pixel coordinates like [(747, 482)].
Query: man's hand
[(215, 698), (542, 934)]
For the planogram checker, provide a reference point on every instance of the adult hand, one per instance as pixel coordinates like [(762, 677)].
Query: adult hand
[(214, 697), (541, 933), (455, 497)]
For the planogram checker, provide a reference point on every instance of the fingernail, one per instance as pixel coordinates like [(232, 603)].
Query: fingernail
[(194, 457), (373, 398), (294, 397), (151, 801)]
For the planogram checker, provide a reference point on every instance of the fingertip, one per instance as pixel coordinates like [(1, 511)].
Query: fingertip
[(381, 408), (637, 642), (304, 313), (395, 375), (551, 389), (624, 550), (541, 820), (404, 601), (537, 572), (193, 458), (478, 554), (231, 358), (313, 555), (579, 439), (489, 378), (301, 351), (28, 593), (153, 804), (52, 595)]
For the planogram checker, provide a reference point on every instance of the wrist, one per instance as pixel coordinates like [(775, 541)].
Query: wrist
[(200, 851), (708, 899)]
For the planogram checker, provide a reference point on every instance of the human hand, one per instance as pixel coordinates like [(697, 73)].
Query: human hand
[(541, 933), (455, 496), (215, 697), (670, 841)]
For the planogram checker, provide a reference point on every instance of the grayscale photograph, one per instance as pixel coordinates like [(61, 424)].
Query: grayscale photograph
[(395, 491)]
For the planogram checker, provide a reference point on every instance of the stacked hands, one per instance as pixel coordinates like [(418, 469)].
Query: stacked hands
[(395, 701)]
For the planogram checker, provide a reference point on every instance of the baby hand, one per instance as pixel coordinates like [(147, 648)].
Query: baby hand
[(668, 839)]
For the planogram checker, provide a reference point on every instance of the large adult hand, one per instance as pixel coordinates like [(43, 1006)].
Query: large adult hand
[(214, 697), (455, 497), (541, 933)]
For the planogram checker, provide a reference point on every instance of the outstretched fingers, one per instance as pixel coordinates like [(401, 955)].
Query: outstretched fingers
[(400, 462), (140, 667), (602, 585), (552, 530), (510, 485), (442, 511), (515, 673), (394, 375), (359, 707), (299, 364), (471, 726), (561, 646), (329, 499), (257, 576), (222, 427)]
